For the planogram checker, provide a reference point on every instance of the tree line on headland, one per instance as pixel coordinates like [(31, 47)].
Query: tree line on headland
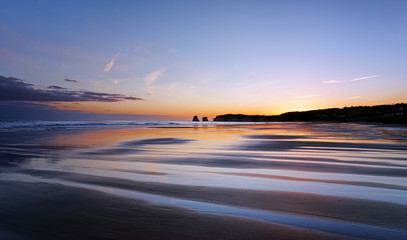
[(389, 114)]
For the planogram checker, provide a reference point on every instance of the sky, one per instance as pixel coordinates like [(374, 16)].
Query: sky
[(171, 60)]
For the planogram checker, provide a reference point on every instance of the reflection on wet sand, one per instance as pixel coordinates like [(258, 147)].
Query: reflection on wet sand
[(333, 173)]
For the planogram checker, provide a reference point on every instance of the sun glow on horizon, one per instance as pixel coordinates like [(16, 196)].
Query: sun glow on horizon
[(186, 111)]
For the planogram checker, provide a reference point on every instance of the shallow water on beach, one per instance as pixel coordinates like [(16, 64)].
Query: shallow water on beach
[(331, 177)]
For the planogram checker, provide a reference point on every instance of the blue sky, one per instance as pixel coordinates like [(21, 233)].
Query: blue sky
[(209, 57)]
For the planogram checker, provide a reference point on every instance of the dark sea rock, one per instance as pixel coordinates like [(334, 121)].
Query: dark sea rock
[(195, 119), (204, 119)]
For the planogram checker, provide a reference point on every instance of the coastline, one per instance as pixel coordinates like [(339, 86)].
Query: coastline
[(384, 114)]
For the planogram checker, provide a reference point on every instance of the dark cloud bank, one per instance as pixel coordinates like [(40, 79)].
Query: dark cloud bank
[(70, 80), (26, 111), (22, 101), (14, 89)]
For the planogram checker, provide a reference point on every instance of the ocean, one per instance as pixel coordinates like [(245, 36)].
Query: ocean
[(202, 180)]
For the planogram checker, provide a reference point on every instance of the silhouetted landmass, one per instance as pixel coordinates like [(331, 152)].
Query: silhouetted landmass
[(195, 119), (389, 114)]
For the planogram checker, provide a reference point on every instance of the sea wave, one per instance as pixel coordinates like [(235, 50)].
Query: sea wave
[(25, 125)]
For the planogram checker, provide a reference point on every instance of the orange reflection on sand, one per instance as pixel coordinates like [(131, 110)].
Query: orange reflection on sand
[(150, 167), (102, 137)]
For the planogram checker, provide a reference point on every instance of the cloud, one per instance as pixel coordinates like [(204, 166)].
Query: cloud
[(70, 80), (27, 111), (152, 77), (334, 81), (14, 89), (119, 80), (56, 87), (363, 78), (352, 80), (173, 50), (111, 63), (139, 48)]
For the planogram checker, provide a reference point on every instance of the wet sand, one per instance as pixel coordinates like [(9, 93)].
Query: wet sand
[(52, 211), (366, 184), (331, 207), (275, 181)]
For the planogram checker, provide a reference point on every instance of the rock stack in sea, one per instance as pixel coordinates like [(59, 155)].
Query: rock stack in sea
[(204, 119), (195, 119)]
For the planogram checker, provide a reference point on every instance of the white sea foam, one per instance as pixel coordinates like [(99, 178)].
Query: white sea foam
[(83, 124)]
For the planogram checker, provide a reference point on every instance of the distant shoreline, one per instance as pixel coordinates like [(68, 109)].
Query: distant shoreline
[(385, 114)]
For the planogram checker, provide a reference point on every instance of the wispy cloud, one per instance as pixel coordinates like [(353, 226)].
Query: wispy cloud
[(334, 81), (150, 78), (351, 80), (70, 80), (111, 63), (173, 50), (14, 89), (119, 80), (139, 48), (307, 96), (363, 78)]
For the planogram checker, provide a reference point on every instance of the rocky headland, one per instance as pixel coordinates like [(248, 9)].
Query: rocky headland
[(389, 114)]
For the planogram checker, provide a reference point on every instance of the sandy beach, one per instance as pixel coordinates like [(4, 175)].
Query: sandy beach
[(276, 181), (49, 211)]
